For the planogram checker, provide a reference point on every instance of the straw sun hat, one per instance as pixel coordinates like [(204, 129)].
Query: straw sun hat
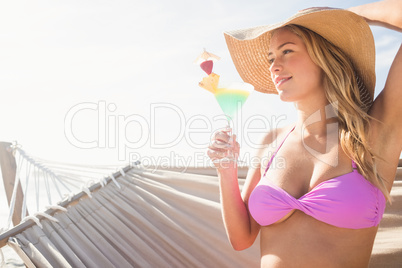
[(344, 29)]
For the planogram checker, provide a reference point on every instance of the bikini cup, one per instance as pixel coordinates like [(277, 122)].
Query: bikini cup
[(347, 201)]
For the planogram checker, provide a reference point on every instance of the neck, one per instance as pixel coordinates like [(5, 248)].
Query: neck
[(314, 117)]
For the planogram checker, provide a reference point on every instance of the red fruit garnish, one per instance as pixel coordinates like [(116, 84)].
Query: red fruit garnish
[(207, 66)]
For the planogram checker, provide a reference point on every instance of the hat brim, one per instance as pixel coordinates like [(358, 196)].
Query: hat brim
[(344, 29)]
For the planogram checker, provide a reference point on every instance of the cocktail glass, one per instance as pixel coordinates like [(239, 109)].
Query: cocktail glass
[(231, 97)]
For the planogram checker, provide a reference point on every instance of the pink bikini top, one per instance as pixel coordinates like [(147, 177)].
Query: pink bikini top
[(347, 201)]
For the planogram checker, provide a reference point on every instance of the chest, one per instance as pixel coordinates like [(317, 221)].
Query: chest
[(297, 167)]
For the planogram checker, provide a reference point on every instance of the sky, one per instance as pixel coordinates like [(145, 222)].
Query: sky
[(112, 82)]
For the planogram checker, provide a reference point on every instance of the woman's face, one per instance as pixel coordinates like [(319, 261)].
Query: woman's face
[(293, 72)]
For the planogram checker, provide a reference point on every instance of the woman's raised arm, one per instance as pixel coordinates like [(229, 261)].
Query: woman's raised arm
[(387, 108), (385, 13)]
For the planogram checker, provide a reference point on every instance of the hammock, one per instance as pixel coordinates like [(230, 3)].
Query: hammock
[(160, 219), (157, 218)]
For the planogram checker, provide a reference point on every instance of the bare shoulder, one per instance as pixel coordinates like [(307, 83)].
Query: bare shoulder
[(269, 141), (266, 146), (271, 136)]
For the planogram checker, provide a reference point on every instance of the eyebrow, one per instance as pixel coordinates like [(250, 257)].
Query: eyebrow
[(279, 47)]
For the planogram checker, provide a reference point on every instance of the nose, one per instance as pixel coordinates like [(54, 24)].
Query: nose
[(276, 66)]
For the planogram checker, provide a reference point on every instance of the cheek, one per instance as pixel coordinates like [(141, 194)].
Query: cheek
[(312, 73), (318, 76)]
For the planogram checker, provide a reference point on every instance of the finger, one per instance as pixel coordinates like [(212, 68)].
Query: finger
[(236, 149), (221, 136), (219, 145), (235, 146), (226, 129), (214, 154)]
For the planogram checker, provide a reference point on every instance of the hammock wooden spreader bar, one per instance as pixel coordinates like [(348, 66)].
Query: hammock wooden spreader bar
[(8, 170), (26, 224)]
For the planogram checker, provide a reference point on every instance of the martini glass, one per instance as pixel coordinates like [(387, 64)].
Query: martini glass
[(231, 97)]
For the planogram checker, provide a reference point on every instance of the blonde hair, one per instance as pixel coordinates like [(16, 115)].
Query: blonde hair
[(348, 100)]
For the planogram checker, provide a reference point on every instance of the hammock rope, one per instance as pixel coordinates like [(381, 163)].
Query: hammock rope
[(47, 181)]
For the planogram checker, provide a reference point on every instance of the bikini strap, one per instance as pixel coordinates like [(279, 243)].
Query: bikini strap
[(354, 166), (274, 154)]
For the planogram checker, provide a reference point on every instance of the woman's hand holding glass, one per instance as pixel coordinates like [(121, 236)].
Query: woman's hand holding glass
[(223, 148)]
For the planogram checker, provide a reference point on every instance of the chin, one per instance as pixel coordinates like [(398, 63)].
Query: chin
[(285, 97)]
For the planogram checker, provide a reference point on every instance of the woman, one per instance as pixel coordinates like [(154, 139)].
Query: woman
[(322, 205)]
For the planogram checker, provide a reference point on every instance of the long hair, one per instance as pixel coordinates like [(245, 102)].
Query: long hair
[(349, 101)]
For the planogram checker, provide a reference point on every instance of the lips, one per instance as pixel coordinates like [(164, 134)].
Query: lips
[(281, 79)]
